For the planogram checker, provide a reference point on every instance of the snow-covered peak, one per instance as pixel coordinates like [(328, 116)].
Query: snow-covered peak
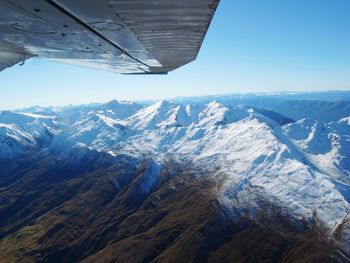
[(34, 124), (154, 116), (301, 129), (14, 141), (345, 121), (343, 125), (216, 113), (161, 104), (251, 154), (326, 145), (119, 109), (21, 117), (165, 114), (10, 130), (99, 119), (315, 137), (24, 132), (96, 130)]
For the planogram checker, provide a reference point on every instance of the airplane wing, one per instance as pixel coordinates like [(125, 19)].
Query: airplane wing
[(124, 36)]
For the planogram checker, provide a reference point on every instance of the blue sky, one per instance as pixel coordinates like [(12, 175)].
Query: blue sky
[(252, 45)]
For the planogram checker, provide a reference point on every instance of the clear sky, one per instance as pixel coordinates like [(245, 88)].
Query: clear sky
[(252, 45)]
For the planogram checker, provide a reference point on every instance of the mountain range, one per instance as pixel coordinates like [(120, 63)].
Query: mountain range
[(174, 182)]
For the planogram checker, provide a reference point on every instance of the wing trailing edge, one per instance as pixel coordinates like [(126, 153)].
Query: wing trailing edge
[(130, 37)]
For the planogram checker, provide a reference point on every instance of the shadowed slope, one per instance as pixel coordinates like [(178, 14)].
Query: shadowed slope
[(57, 211)]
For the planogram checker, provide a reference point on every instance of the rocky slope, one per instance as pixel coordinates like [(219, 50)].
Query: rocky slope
[(177, 182)]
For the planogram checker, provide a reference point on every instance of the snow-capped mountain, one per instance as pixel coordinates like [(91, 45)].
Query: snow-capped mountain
[(253, 155), (326, 145), (24, 132), (118, 109), (14, 141), (32, 123)]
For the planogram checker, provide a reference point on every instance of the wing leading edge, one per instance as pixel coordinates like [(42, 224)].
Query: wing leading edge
[(124, 36)]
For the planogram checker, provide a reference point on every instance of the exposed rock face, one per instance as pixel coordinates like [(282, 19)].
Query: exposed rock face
[(109, 211), (123, 182)]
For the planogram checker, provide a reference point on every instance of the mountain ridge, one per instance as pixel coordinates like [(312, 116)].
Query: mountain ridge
[(256, 159)]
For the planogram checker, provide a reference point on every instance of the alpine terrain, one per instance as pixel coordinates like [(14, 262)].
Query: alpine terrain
[(173, 182)]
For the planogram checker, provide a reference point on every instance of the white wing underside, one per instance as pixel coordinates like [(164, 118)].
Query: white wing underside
[(124, 36)]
